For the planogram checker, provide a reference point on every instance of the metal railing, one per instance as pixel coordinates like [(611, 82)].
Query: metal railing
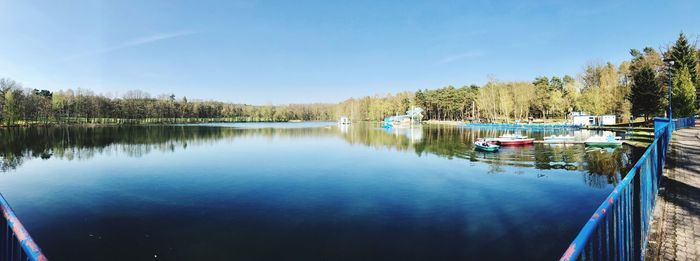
[(619, 228), (15, 242), (683, 122)]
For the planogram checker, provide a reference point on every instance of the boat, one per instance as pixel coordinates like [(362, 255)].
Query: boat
[(559, 138), (515, 142), (603, 141), (512, 136), (511, 140), (482, 145)]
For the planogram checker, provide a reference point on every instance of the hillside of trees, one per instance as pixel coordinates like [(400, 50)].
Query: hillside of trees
[(636, 87)]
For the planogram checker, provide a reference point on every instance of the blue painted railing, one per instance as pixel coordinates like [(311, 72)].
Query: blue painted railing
[(619, 228), (15, 242), (683, 123)]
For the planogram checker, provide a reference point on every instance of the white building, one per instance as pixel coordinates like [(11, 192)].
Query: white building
[(344, 120), (608, 120), (586, 120), (592, 120)]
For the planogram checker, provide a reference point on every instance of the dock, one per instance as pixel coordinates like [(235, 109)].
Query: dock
[(676, 222)]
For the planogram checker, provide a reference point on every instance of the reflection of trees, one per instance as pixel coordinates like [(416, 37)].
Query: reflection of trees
[(75, 143), (446, 141), (608, 166), (559, 156), (371, 135), (9, 162)]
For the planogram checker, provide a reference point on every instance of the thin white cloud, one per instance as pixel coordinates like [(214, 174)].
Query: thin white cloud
[(133, 43), (457, 57), (587, 10)]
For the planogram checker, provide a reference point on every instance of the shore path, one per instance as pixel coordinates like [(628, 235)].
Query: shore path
[(675, 232)]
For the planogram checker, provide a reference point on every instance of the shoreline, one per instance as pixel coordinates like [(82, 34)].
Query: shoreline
[(439, 122), (142, 123)]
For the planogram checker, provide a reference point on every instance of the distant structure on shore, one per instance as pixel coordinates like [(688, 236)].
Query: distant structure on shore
[(344, 121), (583, 119), (413, 116)]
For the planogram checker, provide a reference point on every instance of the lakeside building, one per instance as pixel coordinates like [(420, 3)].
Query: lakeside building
[(344, 120), (583, 119)]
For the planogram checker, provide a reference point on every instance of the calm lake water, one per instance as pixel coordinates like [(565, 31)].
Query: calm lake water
[(302, 191)]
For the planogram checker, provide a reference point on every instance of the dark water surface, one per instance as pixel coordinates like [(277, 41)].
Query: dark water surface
[(302, 191)]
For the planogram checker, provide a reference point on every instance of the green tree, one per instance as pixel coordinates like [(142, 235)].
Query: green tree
[(684, 55), (556, 84), (646, 92), (557, 104), (541, 102), (6, 85), (420, 99), (595, 100), (600, 90), (683, 92), (9, 108)]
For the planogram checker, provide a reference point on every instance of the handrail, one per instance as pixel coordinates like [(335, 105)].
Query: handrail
[(619, 228), (16, 234)]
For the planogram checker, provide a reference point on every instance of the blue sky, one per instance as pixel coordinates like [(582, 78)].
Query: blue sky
[(272, 52)]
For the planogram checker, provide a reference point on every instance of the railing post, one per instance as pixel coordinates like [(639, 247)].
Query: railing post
[(637, 210)]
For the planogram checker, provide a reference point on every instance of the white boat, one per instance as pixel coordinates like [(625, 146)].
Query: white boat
[(511, 140), (512, 136), (604, 141), (559, 138)]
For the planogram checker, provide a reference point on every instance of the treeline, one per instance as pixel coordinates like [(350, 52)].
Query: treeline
[(21, 106), (636, 87)]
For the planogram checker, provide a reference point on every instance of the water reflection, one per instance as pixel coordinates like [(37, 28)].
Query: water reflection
[(607, 166), (76, 143)]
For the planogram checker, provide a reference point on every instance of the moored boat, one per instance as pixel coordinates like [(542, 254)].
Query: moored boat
[(559, 138), (603, 141), (512, 136), (485, 146), (515, 142), (511, 140)]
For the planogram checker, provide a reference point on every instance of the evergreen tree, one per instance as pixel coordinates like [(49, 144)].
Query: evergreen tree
[(684, 55), (556, 84), (646, 92), (420, 99), (683, 92)]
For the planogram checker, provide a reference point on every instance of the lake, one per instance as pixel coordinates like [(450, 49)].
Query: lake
[(302, 191)]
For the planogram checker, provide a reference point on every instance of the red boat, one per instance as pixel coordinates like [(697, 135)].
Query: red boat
[(514, 142), (511, 140)]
